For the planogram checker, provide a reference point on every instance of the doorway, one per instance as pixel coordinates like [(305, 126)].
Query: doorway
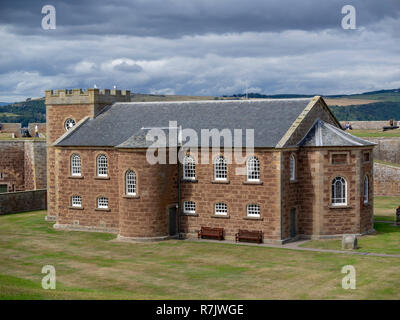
[(172, 220), (292, 222)]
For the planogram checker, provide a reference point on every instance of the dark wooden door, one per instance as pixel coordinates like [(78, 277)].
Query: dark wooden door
[(172, 221), (292, 223), (3, 188)]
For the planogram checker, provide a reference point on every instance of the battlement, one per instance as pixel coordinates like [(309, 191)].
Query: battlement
[(88, 96)]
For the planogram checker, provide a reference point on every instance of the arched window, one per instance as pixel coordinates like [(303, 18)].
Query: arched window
[(102, 203), (292, 168), (220, 168), (102, 167), (130, 182), (189, 168), (366, 189), (221, 209), (253, 210), (253, 169), (189, 207), (76, 165), (76, 201), (339, 191)]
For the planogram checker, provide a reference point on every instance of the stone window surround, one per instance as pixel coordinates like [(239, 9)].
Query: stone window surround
[(331, 153)]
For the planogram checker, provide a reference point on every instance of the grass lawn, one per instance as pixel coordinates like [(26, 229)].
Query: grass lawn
[(387, 239), (91, 266), (375, 133)]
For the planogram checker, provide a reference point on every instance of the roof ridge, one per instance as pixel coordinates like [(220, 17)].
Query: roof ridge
[(213, 101)]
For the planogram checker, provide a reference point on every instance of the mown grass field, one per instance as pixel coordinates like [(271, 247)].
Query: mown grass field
[(387, 239), (375, 133), (93, 266)]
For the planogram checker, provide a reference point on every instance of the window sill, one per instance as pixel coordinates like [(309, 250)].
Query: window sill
[(131, 197), (220, 216), (254, 218), (190, 214), (366, 204), (75, 177), (253, 182), (102, 209), (340, 207), (75, 208), (190, 180), (101, 178), (293, 181), (220, 181)]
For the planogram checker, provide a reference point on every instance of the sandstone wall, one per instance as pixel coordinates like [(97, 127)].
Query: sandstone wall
[(367, 125), (386, 180), (14, 202)]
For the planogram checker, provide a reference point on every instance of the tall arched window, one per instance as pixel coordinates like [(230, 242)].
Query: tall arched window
[(189, 168), (253, 169), (102, 166), (220, 168), (339, 191), (292, 165), (76, 165), (366, 189), (130, 182)]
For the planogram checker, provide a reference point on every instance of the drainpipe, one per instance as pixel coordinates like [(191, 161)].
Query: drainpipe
[(179, 182)]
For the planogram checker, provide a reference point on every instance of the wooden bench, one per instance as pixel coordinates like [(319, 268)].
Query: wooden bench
[(246, 235), (208, 232)]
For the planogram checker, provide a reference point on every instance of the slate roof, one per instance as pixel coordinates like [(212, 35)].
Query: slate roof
[(121, 124), (323, 134)]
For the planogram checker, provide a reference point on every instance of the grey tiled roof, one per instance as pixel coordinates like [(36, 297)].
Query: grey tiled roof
[(323, 134), (122, 123)]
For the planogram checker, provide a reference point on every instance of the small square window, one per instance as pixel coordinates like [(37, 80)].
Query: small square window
[(253, 210), (221, 209), (76, 201), (189, 207), (102, 203)]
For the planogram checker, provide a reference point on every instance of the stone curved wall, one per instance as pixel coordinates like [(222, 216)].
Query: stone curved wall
[(146, 214)]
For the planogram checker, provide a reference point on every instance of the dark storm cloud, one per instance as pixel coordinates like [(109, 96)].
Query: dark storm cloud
[(199, 47), (175, 18)]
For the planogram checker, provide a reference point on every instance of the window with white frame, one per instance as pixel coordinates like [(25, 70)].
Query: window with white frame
[(339, 191), (292, 165), (366, 189), (76, 165), (76, 201), (102, 166), (220, 168), (189, 207), (189, 168), (221, 209), (253, 210), (253, 169), (102, 203), (130, 180)]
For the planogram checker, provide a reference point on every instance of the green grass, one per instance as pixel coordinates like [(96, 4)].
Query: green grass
[(375, 133), (387, 239), (93, 266)]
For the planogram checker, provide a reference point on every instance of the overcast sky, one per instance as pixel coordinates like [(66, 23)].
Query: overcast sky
[(199, 47)]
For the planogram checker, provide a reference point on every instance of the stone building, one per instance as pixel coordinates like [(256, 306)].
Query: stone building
[(22, 165), (305, 178)]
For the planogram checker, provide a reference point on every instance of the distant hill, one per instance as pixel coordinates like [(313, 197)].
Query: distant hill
[(4, 103), (374, 105), (24, 112)]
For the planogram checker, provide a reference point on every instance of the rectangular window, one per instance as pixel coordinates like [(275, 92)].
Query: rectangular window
[(76, 201), (221, 209), (339, 158), (1, 176), (366, 157), (253, 210), (102, 203), (189, 207)]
